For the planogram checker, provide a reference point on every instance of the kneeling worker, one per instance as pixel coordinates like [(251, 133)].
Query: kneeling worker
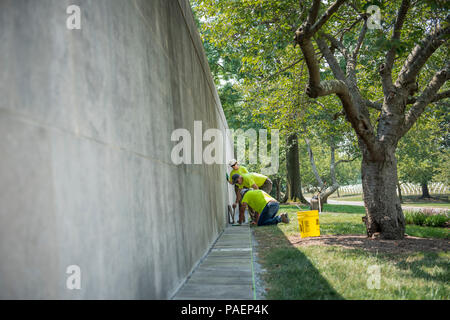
[(265, 205), (251, 180)]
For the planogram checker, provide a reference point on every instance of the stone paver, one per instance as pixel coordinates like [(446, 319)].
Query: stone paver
[(226, 272)]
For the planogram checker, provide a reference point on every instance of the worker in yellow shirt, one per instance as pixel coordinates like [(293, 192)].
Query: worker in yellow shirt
[(266, 206), (252, 180), (237, 169)]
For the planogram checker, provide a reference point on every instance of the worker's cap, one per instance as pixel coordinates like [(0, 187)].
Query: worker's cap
[(243, 191), (232, 162), (235, 178)]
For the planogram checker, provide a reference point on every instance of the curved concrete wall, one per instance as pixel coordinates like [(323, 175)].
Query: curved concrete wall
[(86, 176)]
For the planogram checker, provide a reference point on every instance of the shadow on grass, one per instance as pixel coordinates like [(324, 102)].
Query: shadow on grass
[(431, 261), (290, 275), (427, 267), (418, 267)]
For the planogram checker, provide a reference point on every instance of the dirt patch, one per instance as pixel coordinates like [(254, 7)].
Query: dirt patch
[(409, 244)]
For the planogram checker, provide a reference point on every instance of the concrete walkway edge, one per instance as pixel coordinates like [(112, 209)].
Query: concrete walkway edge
[(227, 272), (177, 289)]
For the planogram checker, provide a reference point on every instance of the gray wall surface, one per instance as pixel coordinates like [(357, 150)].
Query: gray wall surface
[(86, 176)]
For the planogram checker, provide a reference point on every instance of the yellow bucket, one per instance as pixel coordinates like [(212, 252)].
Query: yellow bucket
[(308, 221)]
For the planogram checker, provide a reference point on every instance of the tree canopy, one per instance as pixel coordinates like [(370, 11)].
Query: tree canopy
[(332, 73)]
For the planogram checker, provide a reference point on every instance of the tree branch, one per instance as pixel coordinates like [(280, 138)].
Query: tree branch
[(426, 97), (307, 30), (343, 31), (437, 97), (331, 59), (313, 163), (352, 5), (282, 70), (326, 16), (313, 13), (333, 164), (334, 184), (352, 60), (420, 54), (352, 103), (338, 114), (401, 16), (361, 37), (304, 34), (346, 160), (336, 44), (310, 58), (373, 105), (386, 68)]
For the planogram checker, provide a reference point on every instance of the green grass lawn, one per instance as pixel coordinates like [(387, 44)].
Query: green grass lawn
[(427, 204), (335, 272)]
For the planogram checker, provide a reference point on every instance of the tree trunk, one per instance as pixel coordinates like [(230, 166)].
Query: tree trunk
[(425, 192), (277, 189), (384, 215), (328, 192), (399, 192), (286, 195), (335, 186), (293, 170)]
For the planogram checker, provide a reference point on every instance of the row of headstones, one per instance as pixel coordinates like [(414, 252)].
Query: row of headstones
[(407, 189)]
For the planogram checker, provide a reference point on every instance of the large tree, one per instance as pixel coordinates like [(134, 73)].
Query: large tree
[(403, 58)]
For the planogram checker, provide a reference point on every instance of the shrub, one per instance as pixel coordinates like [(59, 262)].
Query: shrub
[(438, 220), (408, 217), (421, 218), (418, 218)]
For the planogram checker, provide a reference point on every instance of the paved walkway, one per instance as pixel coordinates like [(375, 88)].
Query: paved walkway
[(226, 272)]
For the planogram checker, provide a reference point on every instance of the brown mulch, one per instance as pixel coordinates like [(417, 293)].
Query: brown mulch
[(409, 244)]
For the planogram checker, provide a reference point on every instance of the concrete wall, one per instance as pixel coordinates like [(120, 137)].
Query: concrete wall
[(86, 176)]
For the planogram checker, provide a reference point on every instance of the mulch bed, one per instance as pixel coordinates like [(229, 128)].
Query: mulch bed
[(407, 245)]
